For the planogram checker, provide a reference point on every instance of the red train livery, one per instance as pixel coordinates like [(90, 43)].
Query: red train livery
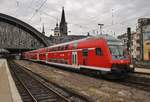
[(103, 54)]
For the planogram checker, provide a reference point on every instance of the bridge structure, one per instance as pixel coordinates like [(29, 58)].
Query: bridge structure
[(17, 36)]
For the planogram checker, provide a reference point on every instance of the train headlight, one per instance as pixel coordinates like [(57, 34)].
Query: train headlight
[(131, 66)]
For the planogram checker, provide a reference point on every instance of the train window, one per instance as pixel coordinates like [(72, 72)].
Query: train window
[(48, 50), (66, 47), (52, 49), (62, 47), (85, 52), (58, 48), (98, 51)]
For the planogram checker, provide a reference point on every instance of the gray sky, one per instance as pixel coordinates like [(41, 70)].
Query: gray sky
[(82, 16)]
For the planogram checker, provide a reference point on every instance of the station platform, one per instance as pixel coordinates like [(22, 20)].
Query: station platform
[(8, 90), (142, 70)]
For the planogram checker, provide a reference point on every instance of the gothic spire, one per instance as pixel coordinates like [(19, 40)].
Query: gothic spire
[(63, 24), (43, 31), (63, 19)]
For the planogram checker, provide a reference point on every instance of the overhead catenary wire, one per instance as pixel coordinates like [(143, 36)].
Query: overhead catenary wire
[(37, 10), (82, 26)]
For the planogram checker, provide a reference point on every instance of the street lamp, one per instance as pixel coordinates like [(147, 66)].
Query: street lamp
[(100, 28)]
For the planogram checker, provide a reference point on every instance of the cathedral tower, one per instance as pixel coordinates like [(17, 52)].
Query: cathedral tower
[(56, 30), (43, 31), (63, 24)]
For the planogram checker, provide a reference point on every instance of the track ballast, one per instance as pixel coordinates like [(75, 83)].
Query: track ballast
[(33, 88)]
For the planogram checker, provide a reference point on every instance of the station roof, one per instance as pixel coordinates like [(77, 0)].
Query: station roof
[(4, 51)]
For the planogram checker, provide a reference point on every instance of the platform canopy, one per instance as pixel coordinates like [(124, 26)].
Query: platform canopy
[(4, 51), (19, 36)]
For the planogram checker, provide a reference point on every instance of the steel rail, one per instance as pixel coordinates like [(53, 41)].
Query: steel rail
[(68, 100), (42, 83), (33, 98)]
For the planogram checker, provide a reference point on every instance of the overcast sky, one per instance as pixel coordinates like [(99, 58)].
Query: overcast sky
[(82, 16)]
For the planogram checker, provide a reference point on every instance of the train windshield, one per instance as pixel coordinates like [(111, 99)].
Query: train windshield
[(118, 51)]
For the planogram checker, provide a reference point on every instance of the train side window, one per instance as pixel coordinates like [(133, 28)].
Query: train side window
[(62, 48), (85, 52), (66, 47), (59, 48), (56, 48), (49, 49), (98, 51), (52, 49)]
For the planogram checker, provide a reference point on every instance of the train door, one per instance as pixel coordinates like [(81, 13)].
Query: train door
[(37, 56), (46, 55), (74, 58), (85, 56)]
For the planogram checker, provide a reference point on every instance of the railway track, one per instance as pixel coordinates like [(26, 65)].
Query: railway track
[(142, 73), (135, 80), (138, 81), (34, 88)]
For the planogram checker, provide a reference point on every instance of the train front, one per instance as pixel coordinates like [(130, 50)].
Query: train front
[(120, 58)]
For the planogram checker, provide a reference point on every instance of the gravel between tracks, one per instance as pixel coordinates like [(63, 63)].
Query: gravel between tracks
[(98, 89)]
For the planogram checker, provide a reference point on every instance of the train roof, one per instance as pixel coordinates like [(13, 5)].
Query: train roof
[(69, 42), (110, 40)]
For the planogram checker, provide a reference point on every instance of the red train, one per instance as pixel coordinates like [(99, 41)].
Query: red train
[(102, 55)]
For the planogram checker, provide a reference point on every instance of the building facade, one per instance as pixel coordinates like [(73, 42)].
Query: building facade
[(135, 45), (140, 40), (144, 33), (56, 30), (123, 38)]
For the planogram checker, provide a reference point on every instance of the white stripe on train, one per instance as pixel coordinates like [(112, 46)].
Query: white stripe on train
[(76, 66)]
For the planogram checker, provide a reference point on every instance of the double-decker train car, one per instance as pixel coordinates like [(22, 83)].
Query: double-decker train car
[(103, 54)]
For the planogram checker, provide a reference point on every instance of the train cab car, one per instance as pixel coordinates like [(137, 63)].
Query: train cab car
[(104, 53), (120, 59)]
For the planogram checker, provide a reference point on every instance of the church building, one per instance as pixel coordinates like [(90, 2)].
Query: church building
[(61, 32), (61, 29)]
